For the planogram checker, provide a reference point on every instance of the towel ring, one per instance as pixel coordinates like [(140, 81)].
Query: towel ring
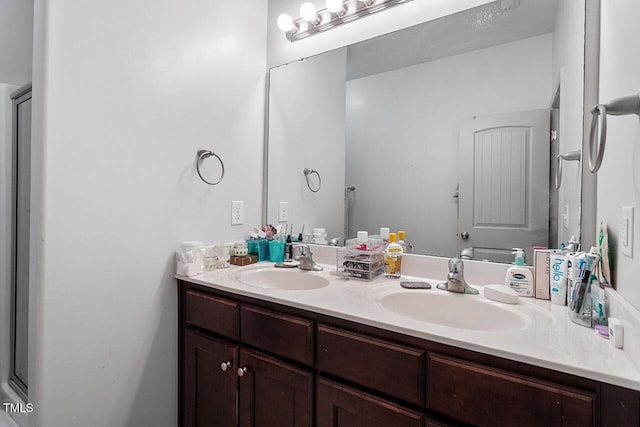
[(205, 154), (569, 156), (308, 172), (617, 107)]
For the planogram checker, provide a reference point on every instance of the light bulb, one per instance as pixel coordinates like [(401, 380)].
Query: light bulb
[(308, 12), (285, 22), (335, 6)]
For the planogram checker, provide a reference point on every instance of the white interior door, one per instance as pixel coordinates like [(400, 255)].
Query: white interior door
[(504, 184)]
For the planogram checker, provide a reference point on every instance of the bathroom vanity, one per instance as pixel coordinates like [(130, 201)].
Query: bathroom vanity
[(274, 357)]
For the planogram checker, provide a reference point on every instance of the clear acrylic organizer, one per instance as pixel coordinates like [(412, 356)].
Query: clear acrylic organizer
[(361, 261)]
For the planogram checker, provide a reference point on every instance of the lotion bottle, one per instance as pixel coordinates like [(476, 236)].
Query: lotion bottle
[(519, 278)]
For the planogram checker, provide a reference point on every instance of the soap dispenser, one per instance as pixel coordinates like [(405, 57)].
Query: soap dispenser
[(520, 278)]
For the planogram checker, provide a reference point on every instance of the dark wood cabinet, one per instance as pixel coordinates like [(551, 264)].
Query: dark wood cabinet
[(225, 384), (273, 393), (247, 362), (210, 382)]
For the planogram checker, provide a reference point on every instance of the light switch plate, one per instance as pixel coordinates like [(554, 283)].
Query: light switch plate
[(283, 212), (237, 212), (626, 231)]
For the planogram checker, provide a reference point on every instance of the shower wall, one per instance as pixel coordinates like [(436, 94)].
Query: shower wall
[(16, 25), (5, 235)]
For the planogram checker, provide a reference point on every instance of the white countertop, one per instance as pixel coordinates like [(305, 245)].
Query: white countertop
[(548, 338)]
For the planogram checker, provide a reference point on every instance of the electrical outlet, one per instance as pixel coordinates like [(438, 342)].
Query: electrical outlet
[(283, 212), (626, 231), (237, 212)]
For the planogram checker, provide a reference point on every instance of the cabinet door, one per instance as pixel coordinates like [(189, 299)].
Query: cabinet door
[(210, 382), (341, 406), (273, 393)]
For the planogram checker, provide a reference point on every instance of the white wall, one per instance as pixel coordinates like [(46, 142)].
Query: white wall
[(125, 93), (281, 50), (16, 41), (568, 69), (299, 93), (429, 102), (619, 177)]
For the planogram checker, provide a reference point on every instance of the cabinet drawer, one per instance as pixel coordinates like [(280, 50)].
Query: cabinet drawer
[(212, 313), (287, 336), (385, 366), (341, 406), (486, 396)]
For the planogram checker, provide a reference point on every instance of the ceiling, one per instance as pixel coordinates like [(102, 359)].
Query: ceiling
[(491, 24)]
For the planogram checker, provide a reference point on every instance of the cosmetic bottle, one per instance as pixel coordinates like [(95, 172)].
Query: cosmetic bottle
[(384, 234), (558, 278), (407, 247), (519, 278), (288, 248), (392, 258)]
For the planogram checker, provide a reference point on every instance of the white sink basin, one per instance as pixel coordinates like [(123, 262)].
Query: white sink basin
[(292, 279), (461, 311)]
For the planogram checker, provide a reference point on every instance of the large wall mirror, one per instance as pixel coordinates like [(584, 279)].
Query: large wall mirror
[(449, 130)]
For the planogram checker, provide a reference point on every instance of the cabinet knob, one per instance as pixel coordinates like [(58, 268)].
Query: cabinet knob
[(242, 371), (225, 365)]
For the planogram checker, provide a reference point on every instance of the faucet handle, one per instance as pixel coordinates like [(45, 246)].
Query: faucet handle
[(456, 266)]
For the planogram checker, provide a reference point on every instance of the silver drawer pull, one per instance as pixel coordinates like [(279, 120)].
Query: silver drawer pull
[(242, 371), (225, 365)]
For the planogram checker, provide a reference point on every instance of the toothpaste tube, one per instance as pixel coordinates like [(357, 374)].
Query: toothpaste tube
[(558, 278)]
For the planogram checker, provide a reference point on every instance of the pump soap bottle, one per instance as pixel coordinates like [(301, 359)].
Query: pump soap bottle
[(392, 258), (519, 278)]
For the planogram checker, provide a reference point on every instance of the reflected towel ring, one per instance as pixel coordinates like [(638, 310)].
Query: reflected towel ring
[(205, 154), (598, 112), (308, 172), (571, 155), (617, 107)]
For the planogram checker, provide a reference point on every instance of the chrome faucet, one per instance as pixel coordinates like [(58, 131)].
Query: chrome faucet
[(302, 254), (455, 279)]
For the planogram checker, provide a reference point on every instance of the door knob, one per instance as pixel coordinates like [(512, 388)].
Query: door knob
[(464, 235), (225, 365), (242, 371)]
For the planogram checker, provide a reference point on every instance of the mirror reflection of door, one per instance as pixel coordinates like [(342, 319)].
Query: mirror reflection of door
[(554, 150), (504, 184)]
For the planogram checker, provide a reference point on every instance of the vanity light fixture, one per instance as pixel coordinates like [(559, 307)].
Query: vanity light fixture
[(309, 13), (337, 12), (336, 6), (286, 24)]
